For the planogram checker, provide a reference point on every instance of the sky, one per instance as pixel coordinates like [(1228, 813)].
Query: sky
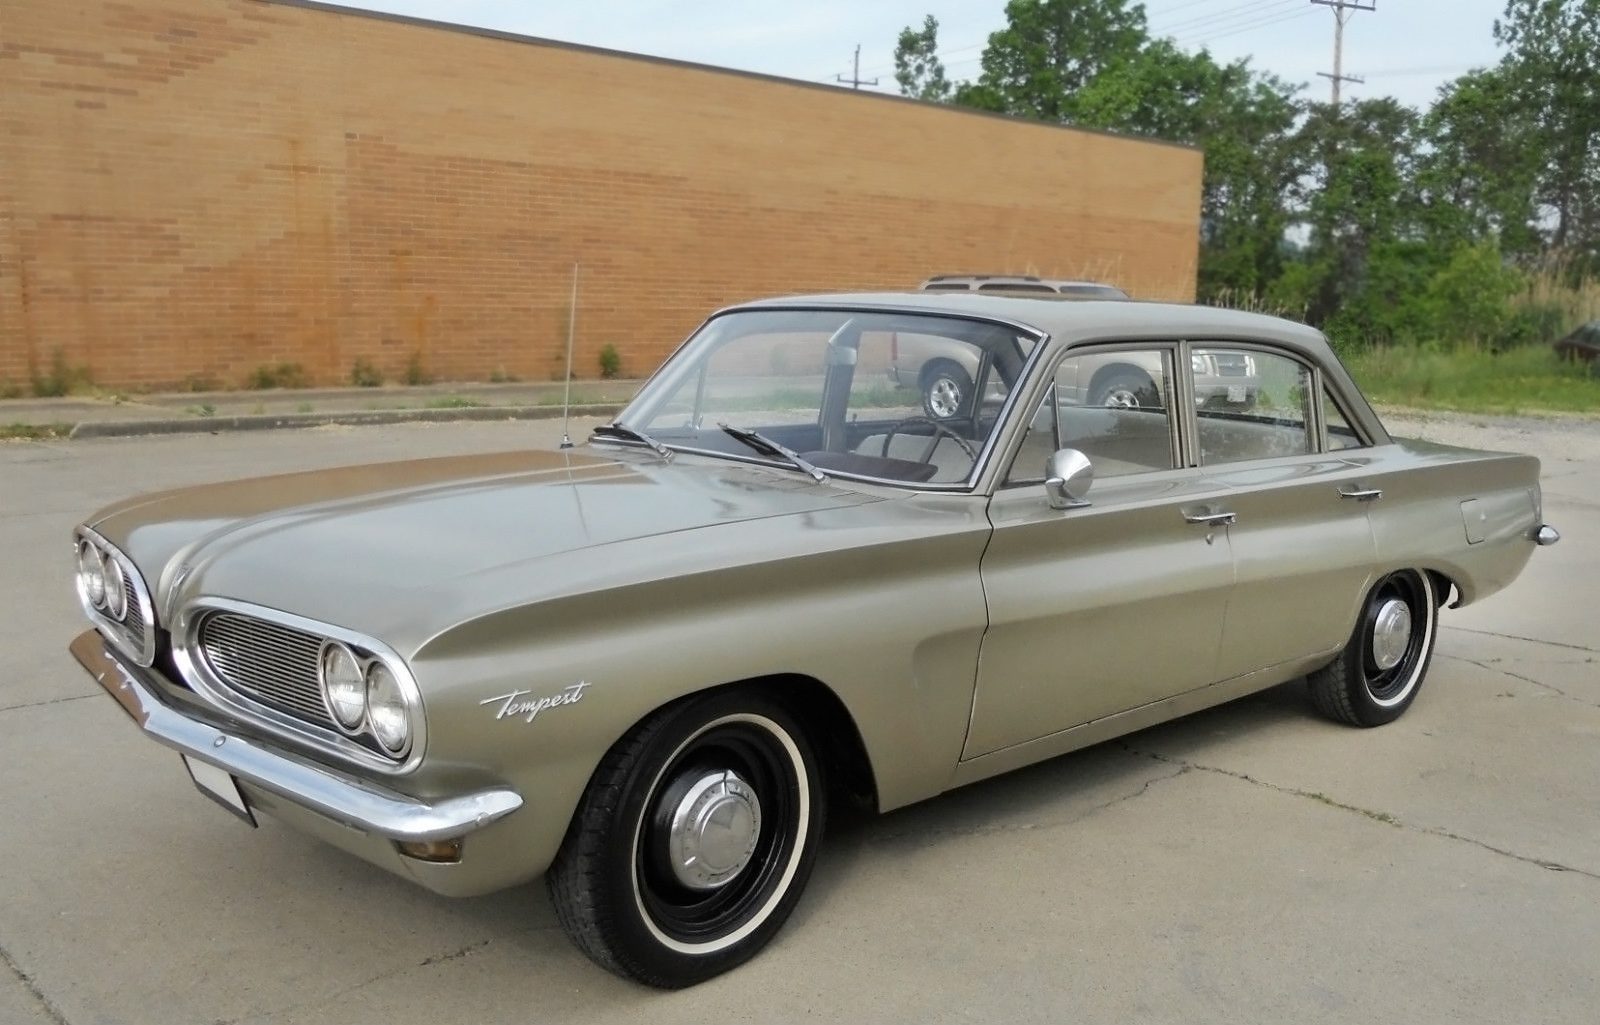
[(1404, 48)]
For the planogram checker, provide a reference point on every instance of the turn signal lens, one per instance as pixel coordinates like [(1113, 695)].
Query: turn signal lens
[(443, 852), (386, 709), (344, 686)]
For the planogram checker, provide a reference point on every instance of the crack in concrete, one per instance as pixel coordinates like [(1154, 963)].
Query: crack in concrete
[(46, 701), (328, 998), (1489, 667), (1530, 640), (46, 1005), (1024, 827), (1377, 816)]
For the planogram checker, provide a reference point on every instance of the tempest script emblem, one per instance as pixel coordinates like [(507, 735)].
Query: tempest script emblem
[(513, 704)]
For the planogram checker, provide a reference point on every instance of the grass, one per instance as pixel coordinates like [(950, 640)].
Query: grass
[(1528, 379), (33, 432), (454, 402), (61, 379), (277, 375)]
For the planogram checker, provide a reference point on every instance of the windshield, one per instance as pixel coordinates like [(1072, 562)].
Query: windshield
[(896, 397)]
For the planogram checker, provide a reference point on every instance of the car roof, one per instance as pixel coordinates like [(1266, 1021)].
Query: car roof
[(1081, 321)]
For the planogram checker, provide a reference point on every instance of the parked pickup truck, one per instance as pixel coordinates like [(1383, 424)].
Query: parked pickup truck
[(944, 373)]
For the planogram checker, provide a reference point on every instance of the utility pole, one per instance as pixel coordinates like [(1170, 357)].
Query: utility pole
[(1342, 10), (855, 80)]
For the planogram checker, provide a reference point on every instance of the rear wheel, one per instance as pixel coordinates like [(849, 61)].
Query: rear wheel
[(1377, 675), (693, 841), (945, 390), (1125, 388)]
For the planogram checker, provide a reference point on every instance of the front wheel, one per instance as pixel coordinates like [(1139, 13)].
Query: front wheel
[(1377, 675), (693, 841)]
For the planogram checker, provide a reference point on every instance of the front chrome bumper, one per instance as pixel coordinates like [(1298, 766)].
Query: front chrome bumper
[(346, 799)]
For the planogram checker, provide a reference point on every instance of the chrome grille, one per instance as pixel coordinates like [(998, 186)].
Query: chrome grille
[(275, 665)]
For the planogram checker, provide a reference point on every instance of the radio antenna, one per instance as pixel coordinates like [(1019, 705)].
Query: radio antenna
[(572, 323)]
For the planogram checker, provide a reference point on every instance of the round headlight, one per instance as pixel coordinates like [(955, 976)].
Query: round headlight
[(1198, 364), (343, 686), (386, 709), (116, 589), (92, 574)]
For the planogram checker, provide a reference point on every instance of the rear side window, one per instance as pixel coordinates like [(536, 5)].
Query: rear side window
[(1249, 405)]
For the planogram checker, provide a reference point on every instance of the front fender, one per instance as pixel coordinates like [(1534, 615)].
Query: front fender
[(889, 618)]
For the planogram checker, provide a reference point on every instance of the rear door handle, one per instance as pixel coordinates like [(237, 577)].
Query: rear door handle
[(1361, 494), (1210, 519)]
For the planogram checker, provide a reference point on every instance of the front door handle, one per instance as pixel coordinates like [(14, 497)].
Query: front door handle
[(1361, 494), (1210, 519)]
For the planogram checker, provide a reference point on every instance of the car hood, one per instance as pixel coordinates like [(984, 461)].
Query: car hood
[(361, 546)]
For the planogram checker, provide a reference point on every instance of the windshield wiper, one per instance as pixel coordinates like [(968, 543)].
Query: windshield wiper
[(620, 430), (761, 442)]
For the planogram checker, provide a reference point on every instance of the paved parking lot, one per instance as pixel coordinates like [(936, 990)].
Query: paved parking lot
[(1251, 864)]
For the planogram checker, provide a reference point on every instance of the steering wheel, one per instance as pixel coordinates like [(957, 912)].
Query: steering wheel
[(939, 431)]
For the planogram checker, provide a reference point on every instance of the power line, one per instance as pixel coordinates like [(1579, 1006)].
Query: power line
[(1342, 11), (1203, 37), (1230, 14)]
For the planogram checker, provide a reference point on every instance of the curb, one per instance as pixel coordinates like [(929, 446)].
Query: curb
[(363, 418)]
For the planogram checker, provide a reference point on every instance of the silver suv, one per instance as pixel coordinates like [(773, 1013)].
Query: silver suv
[(943, 372)]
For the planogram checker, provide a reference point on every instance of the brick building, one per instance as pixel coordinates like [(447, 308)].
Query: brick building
[(194, 189)]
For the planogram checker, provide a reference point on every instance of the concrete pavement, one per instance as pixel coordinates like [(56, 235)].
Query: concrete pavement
[(1251, 864)]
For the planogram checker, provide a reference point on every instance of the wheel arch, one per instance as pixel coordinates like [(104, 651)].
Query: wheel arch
[(931, 368), (830, 729), (1111, 370), (1445, 592)]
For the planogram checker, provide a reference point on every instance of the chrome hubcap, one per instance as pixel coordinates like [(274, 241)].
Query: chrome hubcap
[(714, 831), (1122, 398), (1391, 633), (944, 398)]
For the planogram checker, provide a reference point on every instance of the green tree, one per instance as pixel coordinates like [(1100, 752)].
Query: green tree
[(1244, 122), (1366, 253), (916, 63), (1469, 298), (1051, 49), (1554, 71), (1477, 168)]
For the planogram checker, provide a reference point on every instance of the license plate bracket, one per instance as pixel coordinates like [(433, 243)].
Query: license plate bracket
[(220, 786), (1236, 393)]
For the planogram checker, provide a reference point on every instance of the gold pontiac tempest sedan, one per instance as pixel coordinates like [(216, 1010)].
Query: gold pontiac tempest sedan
[(644, 668)]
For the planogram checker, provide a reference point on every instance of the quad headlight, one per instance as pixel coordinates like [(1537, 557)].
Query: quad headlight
[(91, 574), (114, 596), (365, 697), (387, 711), (344, 686)]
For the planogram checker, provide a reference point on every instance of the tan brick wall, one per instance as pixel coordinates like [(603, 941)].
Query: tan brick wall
[(190, 189)]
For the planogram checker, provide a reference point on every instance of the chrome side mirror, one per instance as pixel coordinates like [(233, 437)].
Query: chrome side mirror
[(1067, 476)]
